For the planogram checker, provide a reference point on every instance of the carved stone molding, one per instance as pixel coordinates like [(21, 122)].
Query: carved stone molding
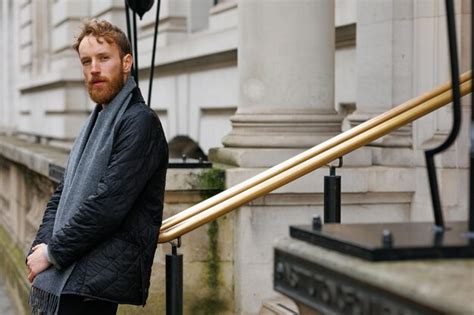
[(328, 292)]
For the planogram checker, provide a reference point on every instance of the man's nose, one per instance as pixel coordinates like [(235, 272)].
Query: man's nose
[(95, 67)]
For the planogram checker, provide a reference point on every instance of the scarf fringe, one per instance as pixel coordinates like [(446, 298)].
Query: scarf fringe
[(43, 302)]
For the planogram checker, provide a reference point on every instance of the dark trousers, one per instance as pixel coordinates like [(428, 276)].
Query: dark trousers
[(78, 305)]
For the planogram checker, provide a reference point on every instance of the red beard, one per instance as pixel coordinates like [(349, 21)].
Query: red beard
[(105, 91)]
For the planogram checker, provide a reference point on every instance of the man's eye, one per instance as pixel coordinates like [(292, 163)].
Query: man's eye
[(86, 62), (104, 58)]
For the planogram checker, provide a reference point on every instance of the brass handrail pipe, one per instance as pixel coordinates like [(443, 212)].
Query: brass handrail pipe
[(314, 151), (312, 164)]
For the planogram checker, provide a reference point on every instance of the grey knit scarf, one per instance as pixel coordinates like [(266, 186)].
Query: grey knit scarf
[(87, 162)]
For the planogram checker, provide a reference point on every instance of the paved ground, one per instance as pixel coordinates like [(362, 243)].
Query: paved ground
[(6, 307)]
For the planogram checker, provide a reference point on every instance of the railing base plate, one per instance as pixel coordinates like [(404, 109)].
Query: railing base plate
[(413, 240)]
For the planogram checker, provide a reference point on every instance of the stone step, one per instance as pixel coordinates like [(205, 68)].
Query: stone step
[(278, 306)]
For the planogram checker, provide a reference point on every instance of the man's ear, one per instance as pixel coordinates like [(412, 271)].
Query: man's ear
[(127, 62)]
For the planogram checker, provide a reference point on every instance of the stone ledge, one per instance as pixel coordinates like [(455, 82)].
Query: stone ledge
[(53, 79), (38, 158), (446, 285)]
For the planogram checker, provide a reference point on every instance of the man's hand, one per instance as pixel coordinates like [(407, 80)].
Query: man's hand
[(37, 261)]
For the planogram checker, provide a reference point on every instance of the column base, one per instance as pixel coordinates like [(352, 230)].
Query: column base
[(268, 157), (251, 157), (282, 130)]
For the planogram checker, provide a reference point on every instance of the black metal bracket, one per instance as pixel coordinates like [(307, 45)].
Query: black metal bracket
[(176, 243), (340, 161)]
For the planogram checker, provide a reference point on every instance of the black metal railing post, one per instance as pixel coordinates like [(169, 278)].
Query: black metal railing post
[(135, 46), (129, 32), (140, 7), (332, 196), (174, 281), (430, 154)]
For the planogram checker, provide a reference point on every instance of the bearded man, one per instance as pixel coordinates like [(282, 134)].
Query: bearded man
[(95, 246)]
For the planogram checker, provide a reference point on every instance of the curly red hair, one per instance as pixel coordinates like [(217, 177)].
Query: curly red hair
[(104, 29)]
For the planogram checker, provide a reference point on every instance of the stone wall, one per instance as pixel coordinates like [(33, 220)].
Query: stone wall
[(43, 96), (208, 251), (23, 196), (195, 79)]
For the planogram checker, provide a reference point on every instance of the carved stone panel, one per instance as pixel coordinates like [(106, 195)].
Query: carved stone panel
[(329, 292)]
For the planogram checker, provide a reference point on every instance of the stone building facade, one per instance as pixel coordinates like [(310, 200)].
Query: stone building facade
[(254, 83)]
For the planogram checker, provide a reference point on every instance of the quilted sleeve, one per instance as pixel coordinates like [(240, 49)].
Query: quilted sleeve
[(135, 157)]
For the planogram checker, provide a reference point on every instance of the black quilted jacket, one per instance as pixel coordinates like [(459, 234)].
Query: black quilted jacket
[(113, 238)]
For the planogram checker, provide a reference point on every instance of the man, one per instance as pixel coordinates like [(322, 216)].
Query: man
[(94, 248)]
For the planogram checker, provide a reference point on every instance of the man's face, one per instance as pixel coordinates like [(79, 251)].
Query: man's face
[(104, 71)]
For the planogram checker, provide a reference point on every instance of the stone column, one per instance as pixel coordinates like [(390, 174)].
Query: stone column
[(8, 64), (286, 55), (3, 59), (286, 59), (384, 63)]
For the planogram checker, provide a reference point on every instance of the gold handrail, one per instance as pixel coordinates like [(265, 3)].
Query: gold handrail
[(277, 169), (311, 164)]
